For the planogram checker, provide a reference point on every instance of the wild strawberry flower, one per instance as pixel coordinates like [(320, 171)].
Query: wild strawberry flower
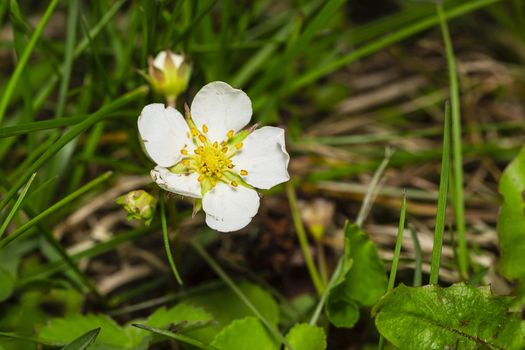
[(209, 157)]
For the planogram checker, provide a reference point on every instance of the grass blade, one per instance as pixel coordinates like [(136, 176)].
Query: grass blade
[(17, 205), (60, 204), (397, 252), (180, 337), (442, 201), (457, 183), (84, 341), (4, 101), (384, 41), (166, 239), (70, 135)]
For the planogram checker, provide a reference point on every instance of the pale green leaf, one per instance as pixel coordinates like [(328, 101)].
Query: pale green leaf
[(511, 221), (457, 317), (307, 337), (246, 333), (362, 280)]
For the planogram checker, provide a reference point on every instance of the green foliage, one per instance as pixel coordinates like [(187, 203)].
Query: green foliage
[(7, 284), (361, 282), (226, 307), (114, 336), (306, 337), (511, 221), (457, 317), (246, 333), (84, 341)]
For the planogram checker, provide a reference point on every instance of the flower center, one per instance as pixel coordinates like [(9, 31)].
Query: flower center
[(211, 160)]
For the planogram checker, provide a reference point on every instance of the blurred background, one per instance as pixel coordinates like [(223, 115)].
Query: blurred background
[(352, 82)]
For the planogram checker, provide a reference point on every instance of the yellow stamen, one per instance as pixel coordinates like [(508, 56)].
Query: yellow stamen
[(223, 143), (198, 150), (186, 162), (244, 172), (234, 184), (224, 149), (194, 132), (238, 145), (215, 144), (230, 134), (201, 178), (219, 175), (213, 183), (184, 151), (204, 128), (230, 165), (202, 138)]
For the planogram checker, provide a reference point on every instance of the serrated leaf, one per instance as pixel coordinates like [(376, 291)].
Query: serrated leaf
[(511, 221), (306, 337), (246, 333), (83, 341), (225, 307), (362, 280), (457, 317)]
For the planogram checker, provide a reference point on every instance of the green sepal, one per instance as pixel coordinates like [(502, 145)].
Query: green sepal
[(179, 168), (205, 186), (230, 175), (197, 206)]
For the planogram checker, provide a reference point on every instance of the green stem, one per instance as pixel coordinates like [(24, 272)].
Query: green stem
[(442, 201), (457, 183), (17, 205), (303, 240), (166, 239), (229, 282)]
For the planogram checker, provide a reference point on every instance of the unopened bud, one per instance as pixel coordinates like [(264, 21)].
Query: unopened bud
[(140, 205), (317, 215), (169, 74)]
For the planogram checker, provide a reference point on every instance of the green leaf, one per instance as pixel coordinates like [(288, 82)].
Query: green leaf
[(511, 219), (457, 317), (180, 337), (65, 330), (225, 307), (246, 333), (84, 341), (307, 337), (362, 280), (176, 314)]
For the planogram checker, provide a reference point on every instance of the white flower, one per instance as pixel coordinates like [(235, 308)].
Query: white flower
[(208, 156)]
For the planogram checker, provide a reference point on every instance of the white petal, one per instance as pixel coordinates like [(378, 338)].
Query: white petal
[(264, 157), (186, 185), (164, 132), (230, 208), (221, 108), (160, 60)]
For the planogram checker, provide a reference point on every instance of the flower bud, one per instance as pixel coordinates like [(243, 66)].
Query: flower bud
[(169, 74), (140, 205), (317, 215)]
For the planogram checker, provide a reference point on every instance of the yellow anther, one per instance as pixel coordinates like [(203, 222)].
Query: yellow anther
[(230, 165), (201, 178), (234, 184), (198, 150), (188, 135), (230, 134), (184, 151), (244, 172), (224, 149), (204, 128), (213, 183), (215, 144), (223, 143), (194, 132), (202, 138), (219, 175), (186, 162), (238, 145)]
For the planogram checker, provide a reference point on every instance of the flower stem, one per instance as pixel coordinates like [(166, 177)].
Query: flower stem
[(167, 239), (303, 240)]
